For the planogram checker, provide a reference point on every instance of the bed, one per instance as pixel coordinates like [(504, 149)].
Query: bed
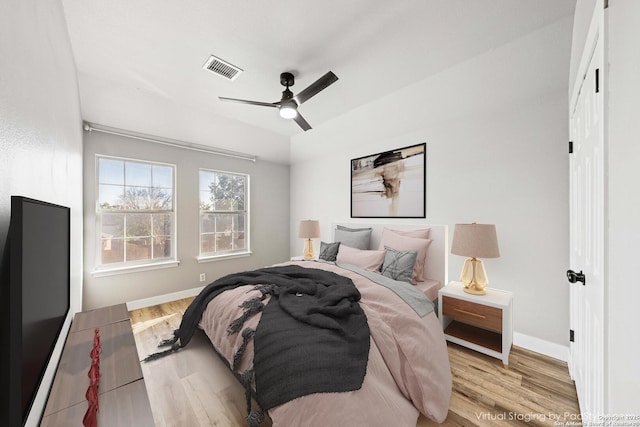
[(404, 369)]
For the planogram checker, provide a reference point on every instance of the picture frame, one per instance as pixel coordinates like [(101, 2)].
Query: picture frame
[(390, 184)]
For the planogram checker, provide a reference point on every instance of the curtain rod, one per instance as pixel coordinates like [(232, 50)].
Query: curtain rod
[(90, 128)]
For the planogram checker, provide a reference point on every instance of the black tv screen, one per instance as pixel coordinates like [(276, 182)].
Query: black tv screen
[(37, 298)]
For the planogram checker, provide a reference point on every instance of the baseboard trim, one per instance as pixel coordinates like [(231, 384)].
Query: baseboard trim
[(541, 346), (161, 299)]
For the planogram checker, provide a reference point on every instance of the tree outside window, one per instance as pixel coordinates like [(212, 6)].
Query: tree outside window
[(136, 212), (223, 213)]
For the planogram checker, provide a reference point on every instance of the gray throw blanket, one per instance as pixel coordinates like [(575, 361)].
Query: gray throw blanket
[(313, 336)]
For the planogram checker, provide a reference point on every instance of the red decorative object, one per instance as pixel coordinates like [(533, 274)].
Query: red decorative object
[(91, 416)]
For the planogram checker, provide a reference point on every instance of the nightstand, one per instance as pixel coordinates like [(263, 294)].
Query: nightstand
[(480, 322)]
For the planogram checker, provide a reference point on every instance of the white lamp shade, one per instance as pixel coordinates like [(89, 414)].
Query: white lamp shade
[(309, 229), (475, 240)]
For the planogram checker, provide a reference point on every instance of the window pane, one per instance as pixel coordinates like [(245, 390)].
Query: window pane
[(112, 225), (205, 201), (138, 225), (161, 198), (207, 223), (224, 223), (138, 249), (161, 225), (207, 243), (110, 196), (138, 174), (112, 250), (161, 247), (226, 205), (223, 242), (136, 198), (206, 178), (239, 241), (226, 191), (110, 171), (140, 198), (162, 176), (241, 189)]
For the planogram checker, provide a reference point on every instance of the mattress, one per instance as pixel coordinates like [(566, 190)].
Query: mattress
[(430, 288)]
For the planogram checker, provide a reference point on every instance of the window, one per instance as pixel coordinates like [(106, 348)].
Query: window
[(224, 214), (135, 213)]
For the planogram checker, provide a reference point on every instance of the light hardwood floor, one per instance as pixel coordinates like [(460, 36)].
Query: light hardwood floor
[(195, 388)]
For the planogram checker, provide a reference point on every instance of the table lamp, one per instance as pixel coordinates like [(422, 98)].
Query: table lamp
[(475, 241), (309, 229)]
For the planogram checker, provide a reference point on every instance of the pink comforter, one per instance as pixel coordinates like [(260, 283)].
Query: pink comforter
[(408, 369)]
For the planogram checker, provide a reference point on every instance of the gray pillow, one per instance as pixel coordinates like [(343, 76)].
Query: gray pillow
[(398, 265), (329, 251), (358, 239), (342, 227)]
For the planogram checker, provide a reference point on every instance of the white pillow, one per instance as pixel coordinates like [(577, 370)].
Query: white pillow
[(366, 259)]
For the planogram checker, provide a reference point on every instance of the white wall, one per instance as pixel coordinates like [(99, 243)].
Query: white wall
[(40, 128), (496, 128), (269, 220)]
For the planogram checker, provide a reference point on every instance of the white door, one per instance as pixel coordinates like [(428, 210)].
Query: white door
[(587, 232)]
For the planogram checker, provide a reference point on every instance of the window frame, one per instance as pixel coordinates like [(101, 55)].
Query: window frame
[(106, 269), (213, 256)]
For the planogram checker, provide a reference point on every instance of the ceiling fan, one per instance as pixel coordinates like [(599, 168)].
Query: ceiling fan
[(288, 105)]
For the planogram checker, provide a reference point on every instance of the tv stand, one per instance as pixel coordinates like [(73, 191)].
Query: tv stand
[(123, 396)]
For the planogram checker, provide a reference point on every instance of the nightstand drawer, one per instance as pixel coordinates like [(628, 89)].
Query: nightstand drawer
[(475, 314)]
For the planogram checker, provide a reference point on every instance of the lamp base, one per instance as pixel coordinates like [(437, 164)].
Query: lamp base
[(474, 277), (474, 289), (307, 252)]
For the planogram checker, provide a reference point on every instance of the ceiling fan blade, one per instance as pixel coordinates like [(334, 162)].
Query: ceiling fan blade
[(302, 122), (315, 87), (244, 101)]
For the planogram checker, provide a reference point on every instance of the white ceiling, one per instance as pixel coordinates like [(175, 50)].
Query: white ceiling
[(140, 62)]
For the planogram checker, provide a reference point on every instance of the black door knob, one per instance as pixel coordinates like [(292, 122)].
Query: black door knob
[(574, 277)]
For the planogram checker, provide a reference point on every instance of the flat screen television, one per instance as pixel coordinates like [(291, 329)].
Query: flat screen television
[(34, 301)]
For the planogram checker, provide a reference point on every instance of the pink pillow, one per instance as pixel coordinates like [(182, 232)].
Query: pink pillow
[(368, 260), (422, 233), (404, 243)]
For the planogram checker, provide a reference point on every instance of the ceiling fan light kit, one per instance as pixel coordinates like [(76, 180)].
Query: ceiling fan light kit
[(288, 110), (288, 104)]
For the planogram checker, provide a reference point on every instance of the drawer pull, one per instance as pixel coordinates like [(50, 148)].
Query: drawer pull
[(482, 316)]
